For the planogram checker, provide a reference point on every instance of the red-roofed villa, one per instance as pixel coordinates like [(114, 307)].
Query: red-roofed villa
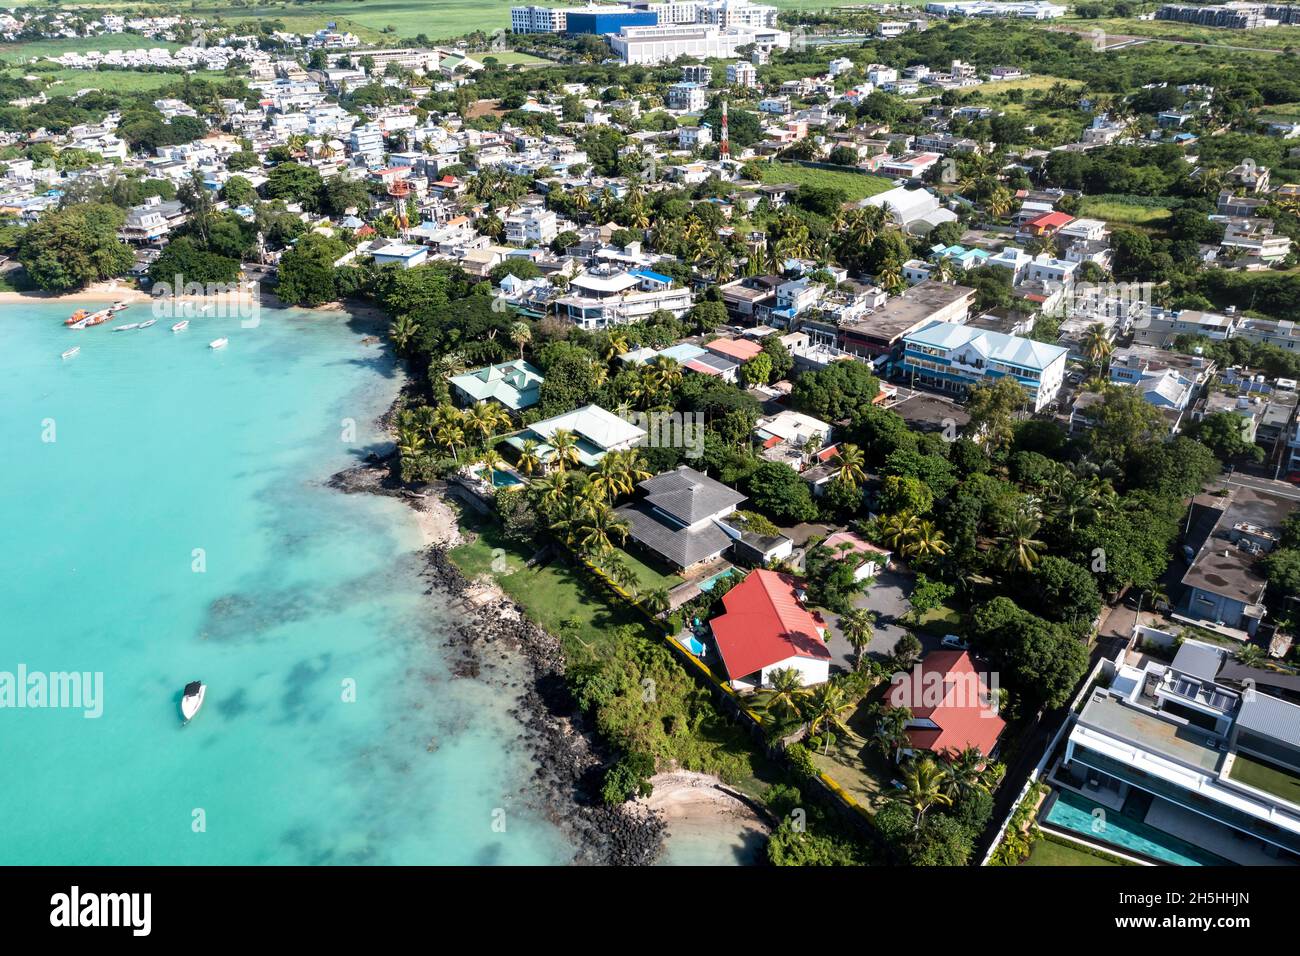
[(766, 628)]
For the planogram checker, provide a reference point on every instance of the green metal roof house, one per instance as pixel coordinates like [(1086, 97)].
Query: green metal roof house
[(516, 385)]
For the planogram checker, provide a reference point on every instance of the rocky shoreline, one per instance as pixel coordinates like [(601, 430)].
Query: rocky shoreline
[(569, 756)]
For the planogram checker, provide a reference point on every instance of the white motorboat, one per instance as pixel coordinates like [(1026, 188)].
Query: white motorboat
[(192, 699), (72, 351), (148, 323), (181, 326), (128, 327), (218, 343)]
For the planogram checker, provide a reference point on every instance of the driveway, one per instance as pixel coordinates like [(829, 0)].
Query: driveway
[(888, 598)]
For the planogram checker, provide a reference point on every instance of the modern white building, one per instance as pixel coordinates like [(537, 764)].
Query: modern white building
[(649, 46), (609, 295), (532, 226)]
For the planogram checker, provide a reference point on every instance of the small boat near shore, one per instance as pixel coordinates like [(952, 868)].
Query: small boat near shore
[(147, 323), (181, 326), (81, 319), (128, 327), (218, 343), (68, 353), (192, 699), (119, 306)]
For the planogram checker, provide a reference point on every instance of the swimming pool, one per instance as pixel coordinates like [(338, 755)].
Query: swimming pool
[(1078, 814), (707, 583)]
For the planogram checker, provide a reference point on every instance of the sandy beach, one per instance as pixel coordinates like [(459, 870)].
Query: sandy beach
[(705, 821), (118, 291)]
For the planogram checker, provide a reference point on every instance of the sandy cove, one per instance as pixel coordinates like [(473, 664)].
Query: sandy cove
[(683, 796)]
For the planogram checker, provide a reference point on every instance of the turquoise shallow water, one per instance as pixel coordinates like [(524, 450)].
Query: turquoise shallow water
[(163, 447)]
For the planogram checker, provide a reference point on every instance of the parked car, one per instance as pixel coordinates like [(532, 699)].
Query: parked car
[(955, 643)]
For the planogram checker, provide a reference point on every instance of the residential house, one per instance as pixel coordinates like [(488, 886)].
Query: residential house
[(516, 385), (766, 628)]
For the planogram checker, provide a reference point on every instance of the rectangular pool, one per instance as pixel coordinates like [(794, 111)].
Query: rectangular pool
[(1078, 814)]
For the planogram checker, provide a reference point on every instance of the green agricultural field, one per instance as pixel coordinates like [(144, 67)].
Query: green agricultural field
[(13, 52), (855, 185), (67, 82), (1267, 38), (378, 21)]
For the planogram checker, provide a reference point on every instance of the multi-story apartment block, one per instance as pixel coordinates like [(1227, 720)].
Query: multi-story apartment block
[(606, 295), (954, 357)]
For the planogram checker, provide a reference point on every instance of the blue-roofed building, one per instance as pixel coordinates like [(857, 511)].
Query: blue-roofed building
[(960, 256), (952, 358)]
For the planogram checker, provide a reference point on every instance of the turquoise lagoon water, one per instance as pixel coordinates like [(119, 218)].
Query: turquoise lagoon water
[(162, 446)]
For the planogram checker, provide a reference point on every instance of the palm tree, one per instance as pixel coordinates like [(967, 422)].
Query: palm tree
[(492, 463), (402, 331), (521, 335), (551, 489), (602, 525), (784, 699), (824, 709), (565, 445), (890, 734), (480, 419), (925, 541), (615, 346), (858, 626), (410, 441), (1020, 548), (665, 371), (529, 462), (897, 530), (923, 788), (852, 464), (965, 772), (450, 435), (1097, 345)]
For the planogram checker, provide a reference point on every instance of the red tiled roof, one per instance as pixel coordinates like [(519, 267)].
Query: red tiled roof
[(1052, 220), (946, 689), (764, 625)]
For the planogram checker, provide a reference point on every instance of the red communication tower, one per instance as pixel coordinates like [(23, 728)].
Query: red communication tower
[(398, 191)]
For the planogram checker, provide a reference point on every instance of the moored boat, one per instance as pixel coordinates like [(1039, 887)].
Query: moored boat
[(128, 327), (181, 326), (148, 322), (218, 343), (192, 699), (68, 353)]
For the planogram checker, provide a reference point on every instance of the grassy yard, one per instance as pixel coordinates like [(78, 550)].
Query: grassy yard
[(942, 620), (513, 58), (1127, 210), (650, 576), (1051, 853), (555, 594), (854, 762), (1266, 777), (567, 603), (856, 186)]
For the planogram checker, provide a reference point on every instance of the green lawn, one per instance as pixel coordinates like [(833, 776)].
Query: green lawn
[(650, 576), (1266, 777), (1128, 210), (513, 58), (856, 186), (854, 762), (556, 595), (942, 620), (1051, 853)]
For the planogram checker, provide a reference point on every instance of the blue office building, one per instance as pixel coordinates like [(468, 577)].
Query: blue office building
[(602, 22)]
